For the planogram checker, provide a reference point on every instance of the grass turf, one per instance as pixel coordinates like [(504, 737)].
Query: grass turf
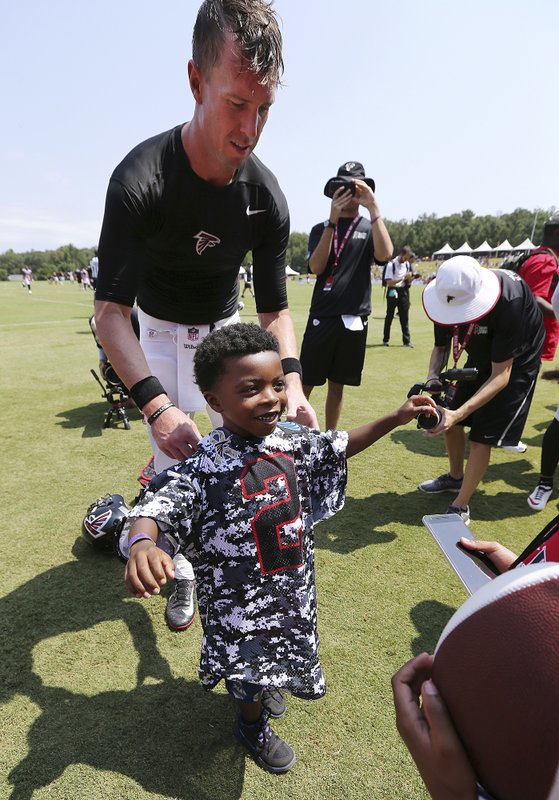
[(99, 699)]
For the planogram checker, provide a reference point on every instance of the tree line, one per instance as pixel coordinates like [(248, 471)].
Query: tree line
[(424, 235)]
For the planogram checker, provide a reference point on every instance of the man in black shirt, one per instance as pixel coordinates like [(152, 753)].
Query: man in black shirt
[(182, 211), (492, 315), (341, 251)]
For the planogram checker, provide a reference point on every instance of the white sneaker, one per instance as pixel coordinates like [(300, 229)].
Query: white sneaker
[(515, 448), (539, 497)]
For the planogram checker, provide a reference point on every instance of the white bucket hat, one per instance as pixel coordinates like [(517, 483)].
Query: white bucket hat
[(463, 291)]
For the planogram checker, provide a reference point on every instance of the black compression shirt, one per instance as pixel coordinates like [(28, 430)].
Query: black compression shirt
[(176, 242)]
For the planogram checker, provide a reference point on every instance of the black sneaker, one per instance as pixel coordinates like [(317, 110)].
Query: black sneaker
[(181, 605), (268, 750), (274, 702)]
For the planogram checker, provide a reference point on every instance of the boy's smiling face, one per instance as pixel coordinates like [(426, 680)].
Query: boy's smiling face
[(250, 394)]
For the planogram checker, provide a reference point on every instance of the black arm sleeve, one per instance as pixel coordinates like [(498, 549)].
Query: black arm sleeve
[(120, 247)]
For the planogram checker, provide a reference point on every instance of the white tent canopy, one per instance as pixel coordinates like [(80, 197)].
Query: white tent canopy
[(464, 248), (290, 271), (485, 247), (445, 250), (525, 245), (506, 245)]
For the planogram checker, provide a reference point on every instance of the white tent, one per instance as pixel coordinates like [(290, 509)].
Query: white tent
[(289, 271), (505, 246), (464, 248), (525, 245), (485, 247), (445, 250)]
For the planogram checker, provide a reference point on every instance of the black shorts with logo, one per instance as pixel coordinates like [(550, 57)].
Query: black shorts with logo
[(331, 351), (500, 421)]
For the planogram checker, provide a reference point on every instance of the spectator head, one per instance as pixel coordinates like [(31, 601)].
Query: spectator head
[(406, 254), (551, 232), (462, 292)]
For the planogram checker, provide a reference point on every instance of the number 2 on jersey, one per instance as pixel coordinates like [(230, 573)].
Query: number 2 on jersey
[(276, 551)]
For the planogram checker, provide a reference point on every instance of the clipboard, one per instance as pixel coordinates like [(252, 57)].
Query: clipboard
[(473, 571)]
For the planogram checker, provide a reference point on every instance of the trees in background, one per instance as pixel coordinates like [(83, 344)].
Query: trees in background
[(424, 235), (428, 232), (44, 262)]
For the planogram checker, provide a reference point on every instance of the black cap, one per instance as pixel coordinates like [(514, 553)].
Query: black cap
[(349, 170)]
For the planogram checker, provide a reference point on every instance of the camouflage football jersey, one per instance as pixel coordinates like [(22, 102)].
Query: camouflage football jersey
[(243, 511)]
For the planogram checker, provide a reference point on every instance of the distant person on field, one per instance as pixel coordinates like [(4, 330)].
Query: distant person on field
[(26, 278), (243, 509), (492, 316), (86, 281), (247, 278), (341, 252), (398, 277), (94, 269)]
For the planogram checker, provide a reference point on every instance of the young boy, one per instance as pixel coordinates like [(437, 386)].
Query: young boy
[(243, 509)]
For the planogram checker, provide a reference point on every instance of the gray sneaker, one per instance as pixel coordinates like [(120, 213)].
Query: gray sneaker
[(181, 605), (464, 513), (444, 483)]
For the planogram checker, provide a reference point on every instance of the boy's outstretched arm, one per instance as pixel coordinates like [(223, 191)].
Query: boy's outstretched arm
[(148, 566), (365, 435)]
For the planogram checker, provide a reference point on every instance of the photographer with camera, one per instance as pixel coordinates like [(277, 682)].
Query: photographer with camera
[(398, 277), (492, 315), (341, 251)]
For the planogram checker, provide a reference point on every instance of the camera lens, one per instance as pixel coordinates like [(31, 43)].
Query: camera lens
[(429, 421)]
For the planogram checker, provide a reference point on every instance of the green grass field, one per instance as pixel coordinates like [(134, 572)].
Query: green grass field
[(99, 698)]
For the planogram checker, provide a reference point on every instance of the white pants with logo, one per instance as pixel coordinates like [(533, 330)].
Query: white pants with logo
[(169, 349)]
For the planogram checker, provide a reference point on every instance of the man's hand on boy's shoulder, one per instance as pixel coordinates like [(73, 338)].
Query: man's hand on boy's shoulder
[(147, 569)]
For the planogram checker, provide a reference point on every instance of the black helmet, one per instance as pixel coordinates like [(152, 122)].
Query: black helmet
[(104, 520)]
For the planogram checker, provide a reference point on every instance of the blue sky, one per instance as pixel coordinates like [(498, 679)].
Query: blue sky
[(449, 105)]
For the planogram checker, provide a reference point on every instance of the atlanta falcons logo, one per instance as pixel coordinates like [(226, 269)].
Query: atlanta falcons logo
[(95, 523), (204, 240)]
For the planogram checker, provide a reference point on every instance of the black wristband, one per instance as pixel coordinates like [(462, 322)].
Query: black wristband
[(145, 390), (291, 365), (159, 411)]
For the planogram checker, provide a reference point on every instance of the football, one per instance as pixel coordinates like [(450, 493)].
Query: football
[(497, 668)]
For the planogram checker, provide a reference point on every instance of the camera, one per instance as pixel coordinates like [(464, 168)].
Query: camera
[(337, 183), (442, 390)]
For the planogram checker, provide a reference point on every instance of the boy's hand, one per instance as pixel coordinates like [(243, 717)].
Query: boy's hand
[(424, 724), (415, 405), (147, 569)]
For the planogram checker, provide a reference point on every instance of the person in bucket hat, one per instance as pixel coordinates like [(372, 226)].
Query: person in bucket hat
[(492, 316), (341, 252)]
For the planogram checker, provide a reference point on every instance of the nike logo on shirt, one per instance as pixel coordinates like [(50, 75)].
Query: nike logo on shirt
[(251, 211)]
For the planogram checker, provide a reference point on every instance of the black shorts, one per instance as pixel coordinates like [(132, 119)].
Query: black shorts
[(330, 351), (500, 421)]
